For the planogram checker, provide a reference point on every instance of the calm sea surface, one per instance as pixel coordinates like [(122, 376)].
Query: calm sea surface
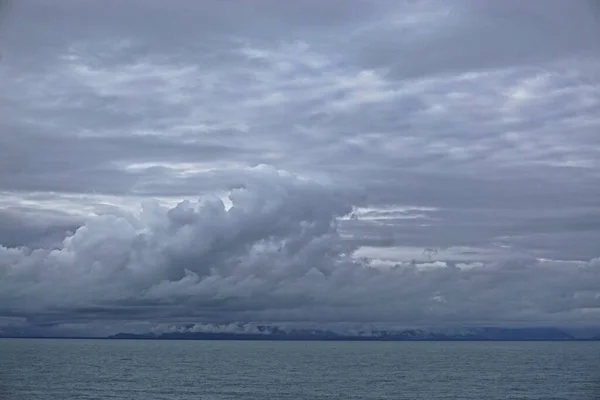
[(101, 369)]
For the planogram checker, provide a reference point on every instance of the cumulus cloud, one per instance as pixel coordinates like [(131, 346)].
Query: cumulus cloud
[(274, 253)]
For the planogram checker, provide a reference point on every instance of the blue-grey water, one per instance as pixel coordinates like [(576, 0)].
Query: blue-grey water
[(115, 369)]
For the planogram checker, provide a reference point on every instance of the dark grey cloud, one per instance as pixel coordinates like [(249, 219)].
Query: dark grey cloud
[(32, 227), (468, 126), (469, 35)]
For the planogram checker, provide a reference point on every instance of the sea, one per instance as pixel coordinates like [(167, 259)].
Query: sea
[(65, 369)]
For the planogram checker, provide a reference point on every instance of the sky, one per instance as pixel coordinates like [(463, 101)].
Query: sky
[(190, 162)]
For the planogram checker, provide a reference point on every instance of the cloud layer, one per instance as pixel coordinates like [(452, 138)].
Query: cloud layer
[(275, 253), (468, 127)]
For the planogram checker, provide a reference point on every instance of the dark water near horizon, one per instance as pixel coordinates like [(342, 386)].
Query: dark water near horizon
[(129, 369)]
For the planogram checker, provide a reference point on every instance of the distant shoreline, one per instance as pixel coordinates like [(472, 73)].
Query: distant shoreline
[(297, 340), (273, 333)]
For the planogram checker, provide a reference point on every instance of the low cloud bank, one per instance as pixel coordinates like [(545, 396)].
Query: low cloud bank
[(274, 254)]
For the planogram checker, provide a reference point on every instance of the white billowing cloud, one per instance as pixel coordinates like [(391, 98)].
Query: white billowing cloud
[(277, 224), (274, 254)]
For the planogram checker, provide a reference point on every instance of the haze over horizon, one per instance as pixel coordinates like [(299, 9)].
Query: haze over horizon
[(403, 162)]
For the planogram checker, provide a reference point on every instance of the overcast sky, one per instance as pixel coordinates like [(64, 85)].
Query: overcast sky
[(197, 161)]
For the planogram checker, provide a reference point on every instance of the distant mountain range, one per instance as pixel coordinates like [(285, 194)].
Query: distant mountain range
[(466, 334)]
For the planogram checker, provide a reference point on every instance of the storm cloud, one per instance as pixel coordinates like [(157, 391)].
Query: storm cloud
[(401, 161)]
